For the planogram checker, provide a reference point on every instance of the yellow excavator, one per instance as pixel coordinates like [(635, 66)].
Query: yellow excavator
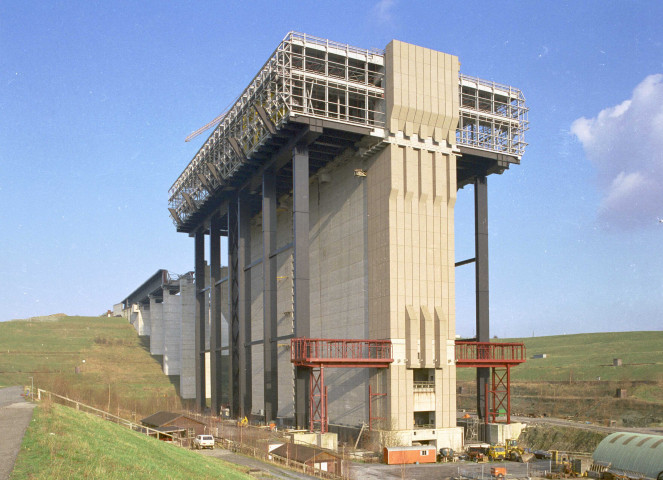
[(515, 453)]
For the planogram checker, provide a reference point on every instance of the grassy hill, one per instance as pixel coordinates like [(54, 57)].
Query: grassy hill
[(577, 378), (64, 443), (116, 371)]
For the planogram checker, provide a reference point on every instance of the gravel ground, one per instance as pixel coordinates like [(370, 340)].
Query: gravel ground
[(15, 416)]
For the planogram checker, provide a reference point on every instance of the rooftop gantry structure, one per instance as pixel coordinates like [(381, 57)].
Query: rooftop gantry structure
[(334, 177), (313, 81)]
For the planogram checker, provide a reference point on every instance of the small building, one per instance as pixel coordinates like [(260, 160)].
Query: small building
[(617, 362), (175, 423), (415, 454), (540, 355), (632, 455), (315, 458)]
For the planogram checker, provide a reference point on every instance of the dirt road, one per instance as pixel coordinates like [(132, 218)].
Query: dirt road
[(15, 416)]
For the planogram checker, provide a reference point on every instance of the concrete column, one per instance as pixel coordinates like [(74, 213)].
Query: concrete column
[(244, 307), (233, 298), (147, 320), (300, 185), (270, 358), (157, 333), (201, 307), (188, 335), (138, 325), (172, 317), (215, 314), (481, 269)]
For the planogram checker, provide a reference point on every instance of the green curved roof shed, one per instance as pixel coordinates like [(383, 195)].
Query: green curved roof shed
[(633, 454)]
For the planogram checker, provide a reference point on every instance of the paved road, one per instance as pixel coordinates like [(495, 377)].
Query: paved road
[(15, 416), (258, 469)]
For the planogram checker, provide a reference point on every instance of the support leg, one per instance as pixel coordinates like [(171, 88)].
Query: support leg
[(300, 174), (233, 294), (481, 269), (215, 304), (270, 357), (244, 305), (201, 307)]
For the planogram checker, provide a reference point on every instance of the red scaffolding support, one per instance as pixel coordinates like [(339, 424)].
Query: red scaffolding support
[(500, 357), (318, 353)]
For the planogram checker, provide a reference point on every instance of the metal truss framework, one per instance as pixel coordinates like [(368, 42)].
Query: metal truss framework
[(499, 357), (316, 78), (317, 353)]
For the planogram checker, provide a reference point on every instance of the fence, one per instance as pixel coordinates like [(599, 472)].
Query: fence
[(246, 439), (107, 416)]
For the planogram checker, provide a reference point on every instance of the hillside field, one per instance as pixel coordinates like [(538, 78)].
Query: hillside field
[(116, 371), (577, 378)]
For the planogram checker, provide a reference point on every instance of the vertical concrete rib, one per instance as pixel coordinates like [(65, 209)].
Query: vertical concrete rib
[(244, 306), (215, 306), (481, 269), (269, 295), (199, 266), (233, 297), (300, 185)]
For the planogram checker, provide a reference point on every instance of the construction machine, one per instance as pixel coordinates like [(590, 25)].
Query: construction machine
[(516, 453), (563, 465), (497, 453)]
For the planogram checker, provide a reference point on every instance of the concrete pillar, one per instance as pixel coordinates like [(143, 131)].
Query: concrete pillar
[(138, 325), (411, 190), (188, 335), (215, 314), (270, 357), (147, 320), (157, 329), (302, 312), (481, 278), (172, 318), (201, 307), (244, 307), (234, 267)]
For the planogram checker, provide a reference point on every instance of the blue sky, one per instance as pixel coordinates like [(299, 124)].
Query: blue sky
[(97, 98)]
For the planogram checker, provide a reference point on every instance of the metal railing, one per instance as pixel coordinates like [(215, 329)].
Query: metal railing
[(338, 352), (470, 354)]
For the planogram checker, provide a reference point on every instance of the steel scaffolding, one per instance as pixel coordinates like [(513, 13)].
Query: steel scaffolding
[(318, 353), (501, 357), (316, 78)]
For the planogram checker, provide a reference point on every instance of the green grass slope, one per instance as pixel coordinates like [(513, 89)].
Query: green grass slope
[(586, 357), (64, 443), (577, 378), (116, 370)]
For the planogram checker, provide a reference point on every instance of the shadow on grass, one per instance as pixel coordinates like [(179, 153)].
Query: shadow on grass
[(173, 379)]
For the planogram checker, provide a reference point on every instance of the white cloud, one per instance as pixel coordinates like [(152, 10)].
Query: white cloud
[(383, 9), (625, 144)]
